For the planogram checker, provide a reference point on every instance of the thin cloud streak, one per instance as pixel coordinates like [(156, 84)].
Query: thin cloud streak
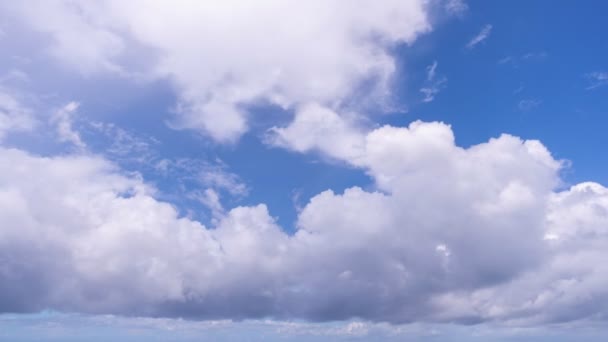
[(597, 79), (480, 37)]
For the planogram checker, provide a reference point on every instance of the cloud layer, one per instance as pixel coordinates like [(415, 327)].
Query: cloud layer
[(446, 234), (451, 234)]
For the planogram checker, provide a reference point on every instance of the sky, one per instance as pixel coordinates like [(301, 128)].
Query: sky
[(328, 170)]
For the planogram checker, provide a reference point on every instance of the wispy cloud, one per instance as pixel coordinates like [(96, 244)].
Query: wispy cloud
[(62, 119), (597, 79), (527, 57), (534, 56), (15, 116), (433, 84), (430, 71), (528, 104), (14, 75), (456, 7), (506, 60), (480, 37), (189, 182)]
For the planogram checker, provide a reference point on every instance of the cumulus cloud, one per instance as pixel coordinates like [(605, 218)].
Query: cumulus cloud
[(569, 285), (450, 234), (224, 56), (319, 128), (480, 37), (446, 234)]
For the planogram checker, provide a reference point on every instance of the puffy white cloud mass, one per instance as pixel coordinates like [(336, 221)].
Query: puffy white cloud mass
[(224, 56), (450, 234)]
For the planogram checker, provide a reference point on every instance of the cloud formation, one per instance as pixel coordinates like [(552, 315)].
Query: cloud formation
[(456, 7), (445, 234), (527, 105), (597, 79), (450, 234), (480, 37), (225, 56), (14, 116), (62, 120), (433, 84)]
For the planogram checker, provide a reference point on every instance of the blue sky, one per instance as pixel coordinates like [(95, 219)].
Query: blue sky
[(407, 170)]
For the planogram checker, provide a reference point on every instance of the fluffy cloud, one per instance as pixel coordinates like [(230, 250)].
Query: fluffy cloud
[(319, 128), (569, 285), (225, 56), (451, 234)]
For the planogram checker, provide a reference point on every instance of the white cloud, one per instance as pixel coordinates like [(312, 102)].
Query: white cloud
[(505, 60), (318, 128), (515, 61), (480, 37), (456, 7), (15, 75), (217, 177), (125, 146), (534, 56), (211, 199), (139, 152), (528, 104), (451, 234), (224, 56), (433, 85), (518, 90), (570, 284), (79, 37), (62, 119), (447, 234), (597, 79), (14, 115), (430, 71)]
